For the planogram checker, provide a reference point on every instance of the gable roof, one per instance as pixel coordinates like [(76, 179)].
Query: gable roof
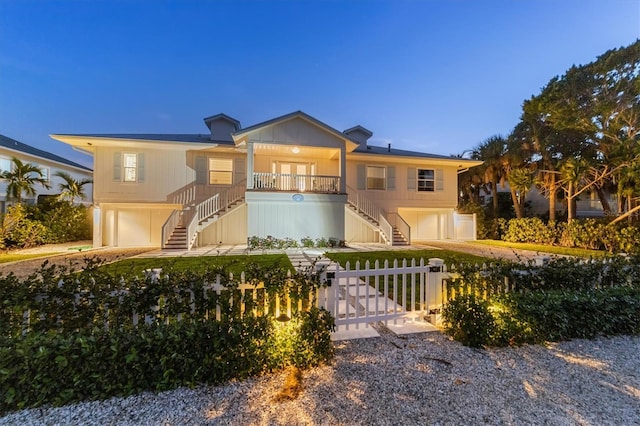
[(296, 114), (222, 116), (15, 145)]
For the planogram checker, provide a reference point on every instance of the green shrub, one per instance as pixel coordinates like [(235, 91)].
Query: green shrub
[(530, 230), (468, 320), (585, 234), (82, 342), (20, 230), (64, 221)]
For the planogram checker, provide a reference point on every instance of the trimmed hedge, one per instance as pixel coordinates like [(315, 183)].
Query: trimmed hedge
[(58, 368), (82, 343), (510, 304), (594, 234), (538, 317)]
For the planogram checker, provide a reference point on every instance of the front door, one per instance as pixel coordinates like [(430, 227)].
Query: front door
[(293, 176)]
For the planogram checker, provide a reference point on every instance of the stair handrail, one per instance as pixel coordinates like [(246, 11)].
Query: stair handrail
[(186, 196), (386, 230), (169, 225), (221, 201), (192, 229), (402, 225), (363, 204)]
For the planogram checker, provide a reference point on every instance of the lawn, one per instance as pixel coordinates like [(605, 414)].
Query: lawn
[(234, 264), (543, 248), (15, 257), (449, 257)]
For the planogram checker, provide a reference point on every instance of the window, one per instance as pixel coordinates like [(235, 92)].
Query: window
[(220, 171), (5, 165), (426, 180), (376, 177), (130, 167), (44, 173)]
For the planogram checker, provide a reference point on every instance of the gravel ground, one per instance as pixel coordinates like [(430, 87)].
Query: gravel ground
[(423, 379), (24, 268)]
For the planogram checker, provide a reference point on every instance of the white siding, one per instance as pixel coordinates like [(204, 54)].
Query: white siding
[(230, 229), (277, 214)]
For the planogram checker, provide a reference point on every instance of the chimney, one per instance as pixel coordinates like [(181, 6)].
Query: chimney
[(359, 135), (389, 148), (222, 127)]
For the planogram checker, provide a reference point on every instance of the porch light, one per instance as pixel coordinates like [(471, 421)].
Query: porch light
[(295, 150)]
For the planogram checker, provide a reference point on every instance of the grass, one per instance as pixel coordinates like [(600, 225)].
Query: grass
[(543, 248), (234, 264), (449, 257), (15, 257)]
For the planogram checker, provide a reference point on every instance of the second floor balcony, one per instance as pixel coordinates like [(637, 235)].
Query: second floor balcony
[(295, 183)]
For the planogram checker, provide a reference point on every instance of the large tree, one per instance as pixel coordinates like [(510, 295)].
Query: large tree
[(591, 113), (492, 151), (70, 188), (22, 179)]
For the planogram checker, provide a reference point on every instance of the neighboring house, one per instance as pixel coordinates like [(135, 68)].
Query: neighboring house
[(587, 204), (292, 176), (47, 162)]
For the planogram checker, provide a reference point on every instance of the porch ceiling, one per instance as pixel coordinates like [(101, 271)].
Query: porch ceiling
[(294, 151)]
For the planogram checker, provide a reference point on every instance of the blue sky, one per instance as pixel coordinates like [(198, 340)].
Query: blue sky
[(433, 76)]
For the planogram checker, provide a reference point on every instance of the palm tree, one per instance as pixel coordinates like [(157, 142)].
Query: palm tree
[(572, 173), (71, 188), (492, 151), (22, 178)]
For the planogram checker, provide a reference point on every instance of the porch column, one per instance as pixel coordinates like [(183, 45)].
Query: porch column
[(343, 169), (249, 165)]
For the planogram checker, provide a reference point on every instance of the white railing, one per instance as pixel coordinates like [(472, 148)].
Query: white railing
[(186, 196), (398, 221), (363, 205), (220, 201), (386, 230), (169, 225), (192, 228), (295, 182)]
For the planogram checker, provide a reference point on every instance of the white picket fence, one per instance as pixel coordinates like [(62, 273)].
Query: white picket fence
[(355, 296), (398, 292)]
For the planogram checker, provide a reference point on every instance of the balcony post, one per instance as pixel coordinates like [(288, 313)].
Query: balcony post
[(343, 169), (249, 165)]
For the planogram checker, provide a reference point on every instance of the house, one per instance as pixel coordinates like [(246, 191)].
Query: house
[(49, 163), (290, 177)]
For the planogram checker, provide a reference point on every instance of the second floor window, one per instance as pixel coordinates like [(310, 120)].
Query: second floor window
[(5, 165), (130, 162), (220, 171), (426, 180), (376, 177)]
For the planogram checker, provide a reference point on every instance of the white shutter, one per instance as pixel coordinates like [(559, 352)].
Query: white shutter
[(411, 178), (391, 178), (140, 167), (201, 170), (117, 166), (439, 180), (362, 177), (239, 171)]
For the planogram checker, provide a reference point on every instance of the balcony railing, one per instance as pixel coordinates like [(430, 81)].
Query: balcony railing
[(293, 182)]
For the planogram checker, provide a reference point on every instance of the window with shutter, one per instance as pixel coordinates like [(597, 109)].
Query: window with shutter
[(376, 177), (220, 171)]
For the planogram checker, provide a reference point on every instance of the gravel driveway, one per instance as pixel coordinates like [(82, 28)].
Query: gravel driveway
[(423, 379)]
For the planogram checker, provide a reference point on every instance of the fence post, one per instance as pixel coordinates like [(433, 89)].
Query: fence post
[(434, 289)]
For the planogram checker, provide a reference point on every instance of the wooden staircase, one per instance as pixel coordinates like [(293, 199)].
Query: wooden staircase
[(177, 239), (398, 238)]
